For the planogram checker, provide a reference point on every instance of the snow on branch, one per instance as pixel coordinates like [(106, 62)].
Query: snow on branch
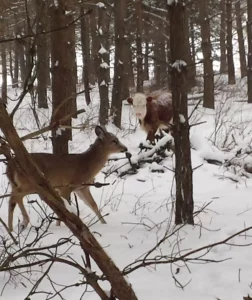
[(153, 154), (178, 64), (102, 50), (170, 2)]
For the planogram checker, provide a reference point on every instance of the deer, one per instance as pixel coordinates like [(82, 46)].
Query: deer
[(66, 173), (153, 112)]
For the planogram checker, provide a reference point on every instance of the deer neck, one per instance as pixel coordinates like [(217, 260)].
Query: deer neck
[(96, 156)]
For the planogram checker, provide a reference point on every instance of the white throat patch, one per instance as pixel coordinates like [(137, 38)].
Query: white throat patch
[(139, 105)]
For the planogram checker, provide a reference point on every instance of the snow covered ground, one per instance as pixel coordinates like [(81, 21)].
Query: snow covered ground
[(140, 212)]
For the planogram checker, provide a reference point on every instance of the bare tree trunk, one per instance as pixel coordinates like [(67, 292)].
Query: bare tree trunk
[(85, 46), (103, 70), (94, 64), (191, 76), (139, 65), (243, 66), (249, 69), (146, 61), (22, 63), (120, 288), (183, 170), (16, 65), (4, 73), (230, 59), (3, 56), (42, 45), (10, 52), (63, 72), (207, 55), (116, 105), (128, 62), (223, 26), (193, 50)]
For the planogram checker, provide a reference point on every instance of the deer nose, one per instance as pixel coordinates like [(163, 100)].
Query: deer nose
[(125, 149)]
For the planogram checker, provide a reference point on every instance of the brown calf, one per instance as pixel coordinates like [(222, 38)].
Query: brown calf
[(153, 112)]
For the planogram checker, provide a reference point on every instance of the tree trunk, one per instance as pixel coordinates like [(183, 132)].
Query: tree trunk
[(63, 72), (183, 169), (42, 71), (208, 100), (243, 66), (10, 52), (4, 73), (249, 69), (129, 61), (121, 289), (230, 54), (223, 26), (85, 47), (16, 65), (103, 70), (94, 64), (139, 54), (116, 105), (146, 61)]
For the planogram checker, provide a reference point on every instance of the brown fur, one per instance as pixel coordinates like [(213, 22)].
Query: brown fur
[(159, 114), (66, 173)]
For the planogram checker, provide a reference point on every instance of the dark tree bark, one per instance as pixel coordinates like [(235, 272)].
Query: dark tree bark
[(230, 54), (191, 75), (242, 54), (208, 100), (85, 46), (249, 69), (42, 71), (4, 73), (119, 286), (116, 105), (160, 70), (139, 55), (3, 57), (10, 56), (146, 61), (223, 48), (63, 72), (94, 64), (16, 65), (129, 61), (183, 169), (103, 71)]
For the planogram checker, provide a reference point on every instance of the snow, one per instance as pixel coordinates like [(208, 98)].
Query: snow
[(102, 50), (103, 83), (140, 209), (104, 65), (178, 64), (181, 118), (69, 207), (100, 4), (170, 2)]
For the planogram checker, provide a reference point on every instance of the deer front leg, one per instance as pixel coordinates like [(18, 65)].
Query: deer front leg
[(86, 196)]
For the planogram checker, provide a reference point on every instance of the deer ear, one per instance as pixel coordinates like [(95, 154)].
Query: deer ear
[(149, 99), (130, 100), (100, 131)]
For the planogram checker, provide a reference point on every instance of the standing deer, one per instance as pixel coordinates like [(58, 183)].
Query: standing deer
[(153, 112), (66, 173)]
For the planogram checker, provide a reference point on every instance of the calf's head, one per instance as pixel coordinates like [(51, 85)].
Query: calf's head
[(139, 102)]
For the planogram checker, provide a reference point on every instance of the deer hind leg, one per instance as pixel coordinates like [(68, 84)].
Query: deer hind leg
[(86, 196), (14, 200), (64, 193)]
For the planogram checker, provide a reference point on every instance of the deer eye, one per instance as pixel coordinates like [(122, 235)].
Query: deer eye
[(115, 141)]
